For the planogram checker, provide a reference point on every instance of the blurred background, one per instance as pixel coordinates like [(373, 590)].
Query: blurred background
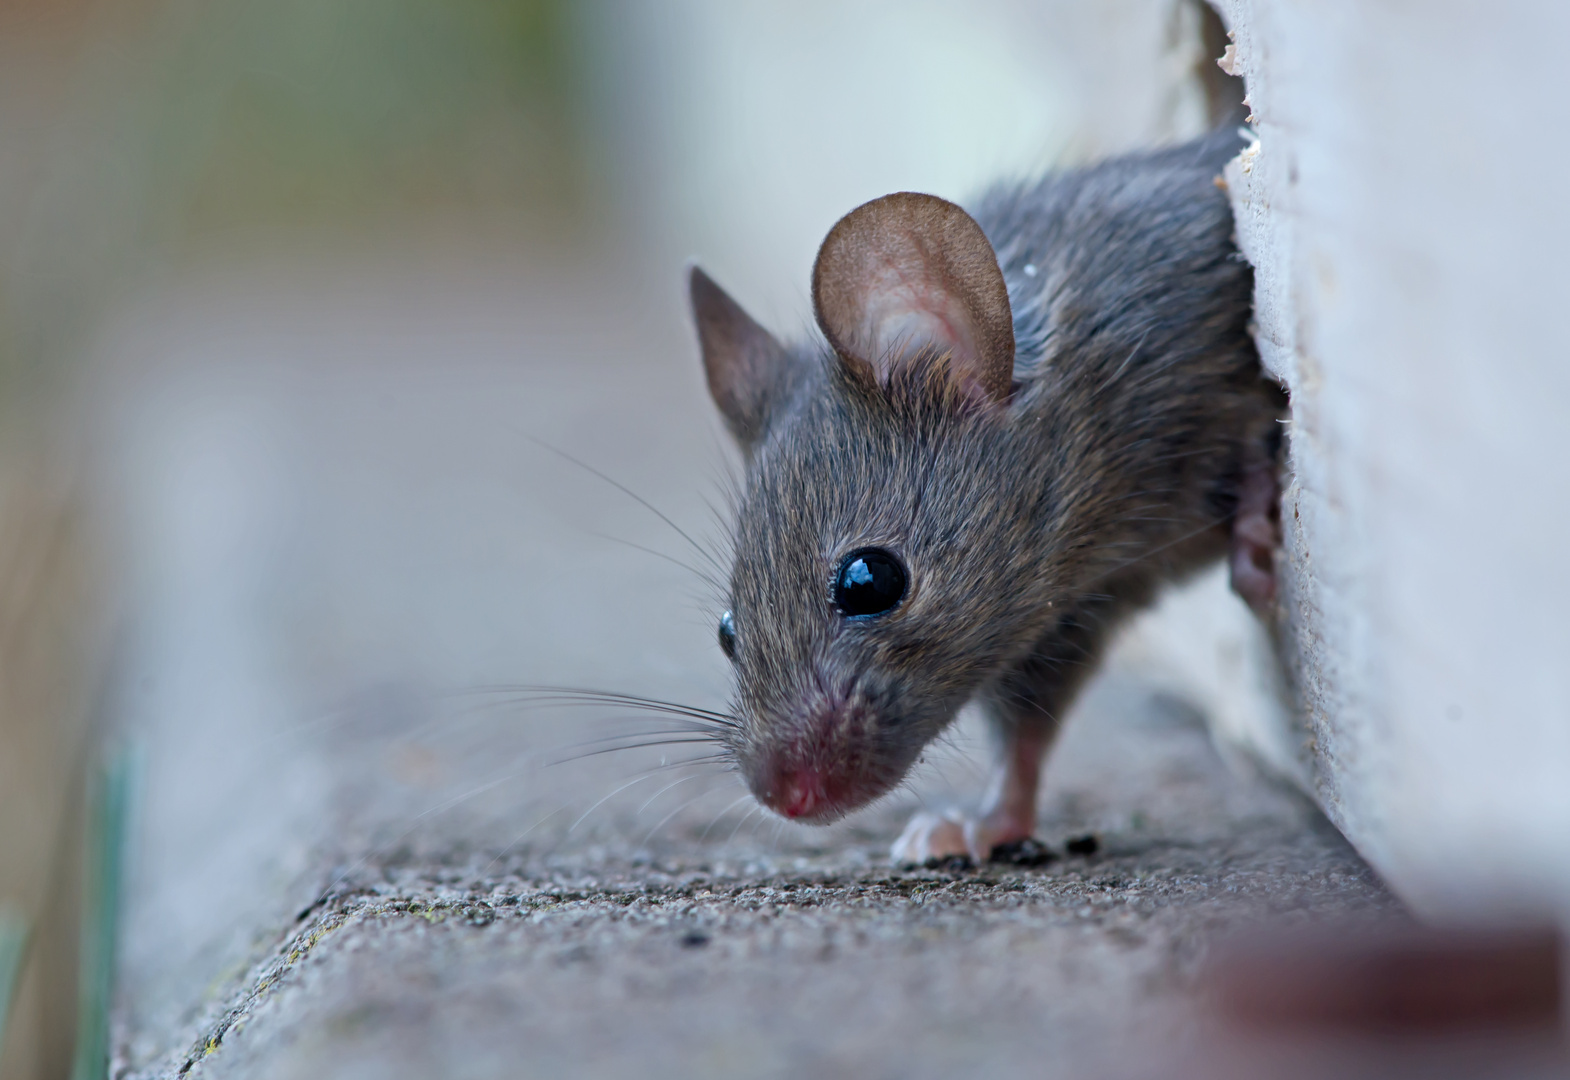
[(319, 320)]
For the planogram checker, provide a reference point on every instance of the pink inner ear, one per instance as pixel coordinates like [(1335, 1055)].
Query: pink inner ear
[(905, 311)]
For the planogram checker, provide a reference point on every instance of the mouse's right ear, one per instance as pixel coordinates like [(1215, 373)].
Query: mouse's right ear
[(744, 363), (910, 275)]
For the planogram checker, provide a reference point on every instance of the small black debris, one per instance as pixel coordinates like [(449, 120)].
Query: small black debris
[(953, 864), (1083, 845), (1025, 852), (694, 939)]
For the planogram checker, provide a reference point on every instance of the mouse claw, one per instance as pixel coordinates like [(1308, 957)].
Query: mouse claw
[(941, 836), (933, 836)]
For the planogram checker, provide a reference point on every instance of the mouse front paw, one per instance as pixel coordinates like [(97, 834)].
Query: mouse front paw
[(942, 836)]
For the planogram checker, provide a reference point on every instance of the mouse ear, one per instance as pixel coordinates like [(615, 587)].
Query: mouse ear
[(909, 273), (745, 365)]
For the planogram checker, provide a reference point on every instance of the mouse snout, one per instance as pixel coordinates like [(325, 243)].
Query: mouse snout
[(800, 793), (822, 768), (807, 793)]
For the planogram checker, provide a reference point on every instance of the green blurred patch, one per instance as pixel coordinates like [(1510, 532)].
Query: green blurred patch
[(347, 112), (169, 125)]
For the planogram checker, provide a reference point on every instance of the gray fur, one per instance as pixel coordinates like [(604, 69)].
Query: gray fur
[(1028, 530)]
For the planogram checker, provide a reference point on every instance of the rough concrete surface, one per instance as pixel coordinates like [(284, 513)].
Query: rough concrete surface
[(699, 955)]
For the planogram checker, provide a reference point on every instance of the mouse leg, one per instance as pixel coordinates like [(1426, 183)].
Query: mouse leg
[(1256, 534), (1008, 812), (1025, 707)]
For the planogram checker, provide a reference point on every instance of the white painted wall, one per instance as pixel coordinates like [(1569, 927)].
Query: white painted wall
[(1404, 209)]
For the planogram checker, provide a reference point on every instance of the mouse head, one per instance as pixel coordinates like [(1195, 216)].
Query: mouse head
[(883, 567)]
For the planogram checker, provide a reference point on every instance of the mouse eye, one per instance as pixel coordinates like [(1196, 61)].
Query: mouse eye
[(728, 634), (869, 582)]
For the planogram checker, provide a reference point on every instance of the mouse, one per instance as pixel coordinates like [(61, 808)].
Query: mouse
[(1014, 425)]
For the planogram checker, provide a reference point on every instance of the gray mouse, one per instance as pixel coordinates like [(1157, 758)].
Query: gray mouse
[(1017, 426)]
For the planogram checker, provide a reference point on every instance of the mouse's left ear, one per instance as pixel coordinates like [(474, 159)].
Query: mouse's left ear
[(908, 274), (746, 367)]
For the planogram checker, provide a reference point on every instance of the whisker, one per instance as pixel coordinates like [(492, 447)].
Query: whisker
[(744, 819), (629, 746), (661, 823), (704, 835), (706, 577), (1157, 550), (605, 798), (704, 759), (709, 723), (519, 838), (695, 729), (438, 808), (650, 800), (625, 490), (689, 722), (546, 694)]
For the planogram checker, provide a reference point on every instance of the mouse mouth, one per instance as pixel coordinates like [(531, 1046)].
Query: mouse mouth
[(819, 781), (811, 796)]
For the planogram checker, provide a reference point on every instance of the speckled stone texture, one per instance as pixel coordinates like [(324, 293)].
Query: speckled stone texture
[(725, 958)]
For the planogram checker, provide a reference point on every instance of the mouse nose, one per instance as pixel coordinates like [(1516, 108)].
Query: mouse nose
[(798, 793)]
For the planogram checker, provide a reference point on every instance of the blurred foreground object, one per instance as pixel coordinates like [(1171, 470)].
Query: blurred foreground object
[(46, 686), (1391, 1001), (1406, 981)]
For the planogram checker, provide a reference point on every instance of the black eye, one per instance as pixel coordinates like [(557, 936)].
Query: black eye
[(728, 634), (870, 582)]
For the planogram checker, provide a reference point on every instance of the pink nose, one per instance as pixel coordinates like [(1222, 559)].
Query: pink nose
[(799, 793)]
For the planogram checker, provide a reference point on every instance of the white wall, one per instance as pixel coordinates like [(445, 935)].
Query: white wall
[(1405, 213), (749, 129)]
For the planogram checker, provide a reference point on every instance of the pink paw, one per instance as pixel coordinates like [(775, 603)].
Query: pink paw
[(1256, 534), (939, 836)]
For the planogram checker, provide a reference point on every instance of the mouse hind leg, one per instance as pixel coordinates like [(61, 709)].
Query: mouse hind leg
[(1025, 707), (1256, 535), (1256, 515)]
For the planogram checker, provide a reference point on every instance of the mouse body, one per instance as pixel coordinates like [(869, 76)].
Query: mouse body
[(1017, 425)]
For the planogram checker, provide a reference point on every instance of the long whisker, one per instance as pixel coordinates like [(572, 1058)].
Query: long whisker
[(519, 838), (438, 808), (676, 783), (694, 729), (545, 694), (704, 835), (629, 746), (661, 823), (625, 490), (580, 693), (1157, 550), (634, 725), (604, 798), (705, 576), (744, 819), (709, 722)]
